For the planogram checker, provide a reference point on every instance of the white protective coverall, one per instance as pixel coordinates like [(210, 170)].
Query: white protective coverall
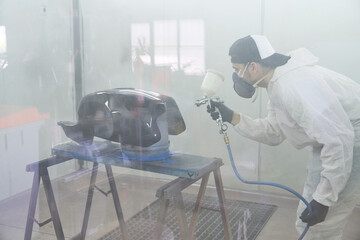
[(313, 106)]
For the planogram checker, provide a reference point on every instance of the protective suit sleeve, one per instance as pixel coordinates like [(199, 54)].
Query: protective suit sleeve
[(264, 130), (315, 108)]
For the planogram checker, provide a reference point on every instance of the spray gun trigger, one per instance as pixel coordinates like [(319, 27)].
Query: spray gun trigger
[(207, 100), (224, 127)]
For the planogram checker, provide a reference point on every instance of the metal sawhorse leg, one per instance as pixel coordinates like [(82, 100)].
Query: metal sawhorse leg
[(41, 172), (173, 190)]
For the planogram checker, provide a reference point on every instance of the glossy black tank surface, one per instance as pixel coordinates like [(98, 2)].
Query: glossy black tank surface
[(125, 115)]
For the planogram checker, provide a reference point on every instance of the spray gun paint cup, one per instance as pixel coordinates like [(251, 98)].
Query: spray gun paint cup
[(211, 83)]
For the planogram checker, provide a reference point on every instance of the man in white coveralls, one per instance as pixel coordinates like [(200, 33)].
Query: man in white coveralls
[(309, 106)]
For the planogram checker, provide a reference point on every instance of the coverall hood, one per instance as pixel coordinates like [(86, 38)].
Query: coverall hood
[(299, 58)]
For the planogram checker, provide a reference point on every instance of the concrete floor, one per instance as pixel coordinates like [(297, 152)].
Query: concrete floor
[(135, 193)]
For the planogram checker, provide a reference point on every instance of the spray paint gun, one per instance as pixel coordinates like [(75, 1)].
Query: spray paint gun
[(211, 83)]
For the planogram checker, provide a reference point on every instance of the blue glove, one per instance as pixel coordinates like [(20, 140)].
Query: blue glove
[(317, 215)]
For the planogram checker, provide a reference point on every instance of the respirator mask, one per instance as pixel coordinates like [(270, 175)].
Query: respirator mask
[(244, 89)]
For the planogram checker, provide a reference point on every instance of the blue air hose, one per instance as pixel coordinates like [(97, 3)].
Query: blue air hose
[(227, 142), (223, 129)]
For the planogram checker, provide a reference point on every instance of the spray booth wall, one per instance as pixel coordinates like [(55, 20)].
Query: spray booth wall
[(41, 70)]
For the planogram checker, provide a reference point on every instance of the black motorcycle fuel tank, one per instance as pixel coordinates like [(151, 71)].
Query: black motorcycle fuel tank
[(129, 116)]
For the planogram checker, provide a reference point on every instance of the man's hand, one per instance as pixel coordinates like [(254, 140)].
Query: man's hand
[(226, 113), (317, 215)]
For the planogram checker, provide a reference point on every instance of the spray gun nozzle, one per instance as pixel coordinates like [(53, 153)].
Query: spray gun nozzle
[(206, 100), (202, 101)]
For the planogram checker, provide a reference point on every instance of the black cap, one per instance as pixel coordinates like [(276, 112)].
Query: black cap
[(256, 48)]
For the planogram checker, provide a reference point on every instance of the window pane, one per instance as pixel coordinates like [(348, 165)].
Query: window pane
[(140, 33), (191, 33), (165, 56), (140, 41), (192, 60), (2, 40), (165, 33)]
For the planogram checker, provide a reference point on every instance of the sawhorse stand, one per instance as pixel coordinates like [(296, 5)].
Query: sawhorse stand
[(41, 172), (173, 190)]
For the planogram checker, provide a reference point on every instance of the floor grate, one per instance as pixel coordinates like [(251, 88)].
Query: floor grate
[(246, 220)]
